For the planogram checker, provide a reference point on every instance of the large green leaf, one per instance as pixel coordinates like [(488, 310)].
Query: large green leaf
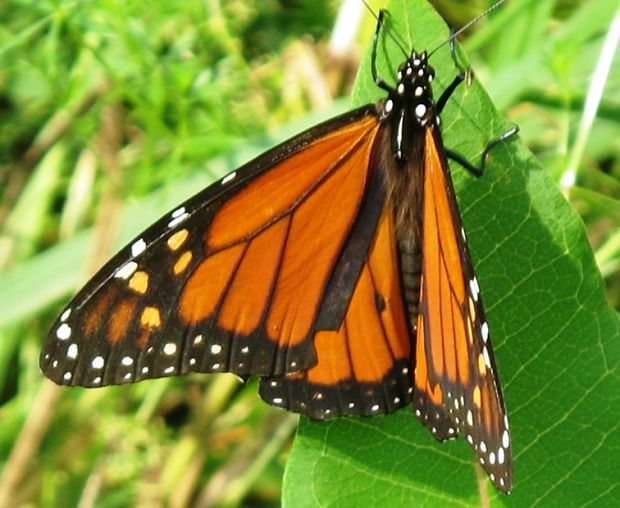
[(556, 340)]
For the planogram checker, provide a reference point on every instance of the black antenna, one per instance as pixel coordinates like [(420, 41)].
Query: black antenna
[(389, 33), (453, 35)]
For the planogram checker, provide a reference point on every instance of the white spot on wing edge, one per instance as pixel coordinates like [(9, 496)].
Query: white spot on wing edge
[(63, 332), (170, 348), (72, 351), (474, 288), (505, 439), (178, 212), (484, 329), (487, 359), (178, 216), (127, 270), (138, 247), (229, 177), (501, 457), (65, 315)]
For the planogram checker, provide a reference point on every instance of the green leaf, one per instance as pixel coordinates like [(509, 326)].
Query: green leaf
[(556, 340)]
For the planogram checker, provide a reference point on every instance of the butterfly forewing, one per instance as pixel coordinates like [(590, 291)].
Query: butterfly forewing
[(230, 281), (456, 387)]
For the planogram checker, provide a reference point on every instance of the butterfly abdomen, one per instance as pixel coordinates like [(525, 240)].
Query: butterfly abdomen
[(410, 254)]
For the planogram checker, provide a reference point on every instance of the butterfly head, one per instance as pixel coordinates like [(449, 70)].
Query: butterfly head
[(414, 87)]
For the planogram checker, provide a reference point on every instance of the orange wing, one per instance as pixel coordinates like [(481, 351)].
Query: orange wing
[(363, 367), (232, 280), (456, 383)]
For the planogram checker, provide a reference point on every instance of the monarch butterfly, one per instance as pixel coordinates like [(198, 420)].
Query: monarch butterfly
[(334, 267)]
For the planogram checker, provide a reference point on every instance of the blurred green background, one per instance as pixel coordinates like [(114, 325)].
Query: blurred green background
[(112, 112)]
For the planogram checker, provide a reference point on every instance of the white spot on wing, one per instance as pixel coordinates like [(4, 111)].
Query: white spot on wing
[(170, 348), (487, 360), (67, 376), (63, 332), (178, 212), (500, 456), (98, 362), (127, 270), (474, 288), (168, 370), (138, 247), (485, 331), (216, 349), (65, 315), (229, 177), (72, 351), (505, 439), (178, 216), (127, 361)]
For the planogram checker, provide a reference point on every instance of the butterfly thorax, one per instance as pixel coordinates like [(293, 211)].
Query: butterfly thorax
[(410, 106)]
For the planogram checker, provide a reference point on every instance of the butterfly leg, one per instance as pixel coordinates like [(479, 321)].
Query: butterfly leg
[(478, 170), (373, 61)]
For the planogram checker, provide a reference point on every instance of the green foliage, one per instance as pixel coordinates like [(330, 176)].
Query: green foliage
[(113, 112)]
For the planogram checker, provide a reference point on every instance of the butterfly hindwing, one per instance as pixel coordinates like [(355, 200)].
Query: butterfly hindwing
[(363, 367), (456, 386), (232, 280)]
